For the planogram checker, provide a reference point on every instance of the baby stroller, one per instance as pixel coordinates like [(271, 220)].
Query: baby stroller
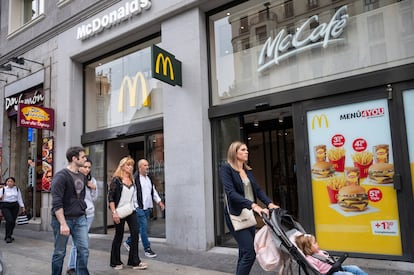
[(284, 230)]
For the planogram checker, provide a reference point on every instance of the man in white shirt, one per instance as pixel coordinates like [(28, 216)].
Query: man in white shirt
[(146, 194)]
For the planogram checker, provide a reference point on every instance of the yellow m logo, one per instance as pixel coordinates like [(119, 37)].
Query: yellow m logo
[(320, 119), (166, 61), (132, 86)]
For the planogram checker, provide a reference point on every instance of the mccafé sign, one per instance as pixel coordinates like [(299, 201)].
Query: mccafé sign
[(131, 85), (285, 45), (129, 9)]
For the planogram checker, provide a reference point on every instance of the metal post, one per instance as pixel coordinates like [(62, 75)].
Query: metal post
[(34, 174)]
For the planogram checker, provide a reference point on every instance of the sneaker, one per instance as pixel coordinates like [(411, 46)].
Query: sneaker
[(141, 266), (119, 267), (71, 271), (126, 245), (150, 254)]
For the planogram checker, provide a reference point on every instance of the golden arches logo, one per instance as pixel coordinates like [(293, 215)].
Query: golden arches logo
[(320, 119), (166, 61), (132, 86)]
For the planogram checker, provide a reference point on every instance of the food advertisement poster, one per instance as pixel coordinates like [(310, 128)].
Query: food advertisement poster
[(47, 163), (408, 97), (351, 160)]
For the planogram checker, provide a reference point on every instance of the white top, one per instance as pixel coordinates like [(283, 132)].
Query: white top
[(146, 186), (128, 194), (90, 196), (11, 195)]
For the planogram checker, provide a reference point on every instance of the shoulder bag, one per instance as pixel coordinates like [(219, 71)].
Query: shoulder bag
[(245, 220)]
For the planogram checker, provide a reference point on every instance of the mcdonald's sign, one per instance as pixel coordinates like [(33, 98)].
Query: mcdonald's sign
[(165, 67), (132, 86), (319, 120)]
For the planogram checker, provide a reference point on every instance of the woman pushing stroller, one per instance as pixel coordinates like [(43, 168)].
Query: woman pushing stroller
[(321, 260)]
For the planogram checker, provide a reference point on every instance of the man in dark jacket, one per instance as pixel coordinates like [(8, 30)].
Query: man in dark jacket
[(68, 212)]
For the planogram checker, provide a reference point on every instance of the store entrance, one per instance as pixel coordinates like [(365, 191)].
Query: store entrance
[(151, 148), (270, 140)]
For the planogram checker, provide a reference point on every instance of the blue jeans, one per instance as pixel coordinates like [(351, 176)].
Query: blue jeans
[(72, 255), (245, 242), (79, 232), (350, 270), (142, 217)]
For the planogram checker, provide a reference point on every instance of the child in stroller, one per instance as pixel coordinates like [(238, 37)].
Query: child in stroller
[(321, 260), (289, 241)]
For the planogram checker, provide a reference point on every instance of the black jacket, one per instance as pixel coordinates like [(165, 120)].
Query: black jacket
[(64, 195), (139, 189)]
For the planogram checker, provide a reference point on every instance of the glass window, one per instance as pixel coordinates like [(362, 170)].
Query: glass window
[(253, 53), (24, 11), (120, 89)]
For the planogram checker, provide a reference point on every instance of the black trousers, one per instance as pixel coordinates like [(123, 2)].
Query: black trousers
[(10, 211), (133, 257)]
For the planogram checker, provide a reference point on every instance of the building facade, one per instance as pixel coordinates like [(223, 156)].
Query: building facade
[(319, 90)]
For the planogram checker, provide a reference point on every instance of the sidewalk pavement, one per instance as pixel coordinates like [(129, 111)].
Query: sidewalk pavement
[(31, 253)]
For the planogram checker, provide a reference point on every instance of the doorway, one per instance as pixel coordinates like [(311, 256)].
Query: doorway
[(151, 148), (269, 137), (270, 140)]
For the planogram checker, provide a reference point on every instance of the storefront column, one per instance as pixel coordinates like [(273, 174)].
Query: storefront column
[(187, 137)]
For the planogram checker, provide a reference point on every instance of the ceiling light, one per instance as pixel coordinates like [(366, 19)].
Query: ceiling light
[(256, 123)]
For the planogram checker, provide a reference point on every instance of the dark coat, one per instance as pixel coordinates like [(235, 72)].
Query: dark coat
[(234, 190)]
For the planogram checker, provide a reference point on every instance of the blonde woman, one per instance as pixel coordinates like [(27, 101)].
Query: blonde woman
[(121, 191), (242, 191)]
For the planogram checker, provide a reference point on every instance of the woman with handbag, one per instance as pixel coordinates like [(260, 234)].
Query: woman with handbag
[(242, 192), (11, 204), (122, 198)]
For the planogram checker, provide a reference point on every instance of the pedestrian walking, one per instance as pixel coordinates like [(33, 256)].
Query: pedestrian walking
[(69, 212), (11, 203), (122, 195), (91, 195), (146, 194), (242, 191)]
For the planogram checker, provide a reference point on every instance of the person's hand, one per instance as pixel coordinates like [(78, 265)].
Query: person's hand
[(273, 206), (162, 206), (115, 217), (256, 208), (64, 230)]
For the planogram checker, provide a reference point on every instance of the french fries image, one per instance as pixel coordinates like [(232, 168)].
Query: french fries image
[(336, 183), (362, 158), (335, 154)]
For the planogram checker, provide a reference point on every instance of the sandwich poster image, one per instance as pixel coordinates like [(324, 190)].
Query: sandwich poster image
[(352, 170)]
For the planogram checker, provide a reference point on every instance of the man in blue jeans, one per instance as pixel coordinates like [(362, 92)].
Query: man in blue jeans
[(146, 193), (68, 212)]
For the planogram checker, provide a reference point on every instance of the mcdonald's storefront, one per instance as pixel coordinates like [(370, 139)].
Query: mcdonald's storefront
[(321, 97), (308, 88)]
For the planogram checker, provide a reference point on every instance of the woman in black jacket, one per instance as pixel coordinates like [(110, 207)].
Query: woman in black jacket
[(242, 191), (122, 191)]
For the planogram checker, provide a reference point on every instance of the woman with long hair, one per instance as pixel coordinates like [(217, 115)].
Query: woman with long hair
[(242, 191), (122, 191)]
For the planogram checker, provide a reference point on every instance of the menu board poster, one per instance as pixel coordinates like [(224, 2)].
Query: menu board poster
[(408, 97), (352, 169)]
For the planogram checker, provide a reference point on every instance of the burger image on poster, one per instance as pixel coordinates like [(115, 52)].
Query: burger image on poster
[(322, 169), (381, 173), (353, 198)]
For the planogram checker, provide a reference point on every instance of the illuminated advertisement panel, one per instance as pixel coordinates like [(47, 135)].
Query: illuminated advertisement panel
[(408, 97), (352, 169)]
